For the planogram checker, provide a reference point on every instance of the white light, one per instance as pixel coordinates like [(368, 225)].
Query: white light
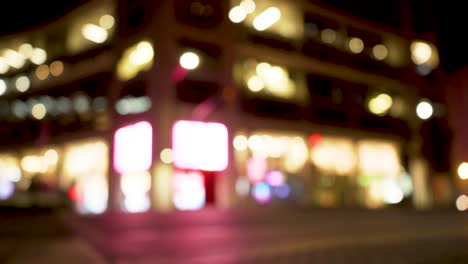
[(106, 21), (39, 111), (380, 52), (22, 84), (189, 60), (424, 110), (3, 87), (255, 83), (462, 202), (380, 104), (463, 171), (248, 5), (94, 33), (143, 54), (237, 14), (166, 156), (421, 52), (51, 156), (14, 59), (26, 49), (39, 56), (3, 66), (267, 18), (240, 143)]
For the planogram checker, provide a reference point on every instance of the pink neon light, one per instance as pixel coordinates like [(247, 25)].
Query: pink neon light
[(200, 145), (133, 148)]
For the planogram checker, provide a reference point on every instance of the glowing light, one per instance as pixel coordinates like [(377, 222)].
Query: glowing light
[(262, 69), (275, 178), (242, 187), (328, 36), (248, 5), (133, 147), (261, 193), (39, 111), (42, 72), (315, 139), (240, 143), (135, 187), (26, 50), (22, 84), (380, 104), (237, 14), (51, 156), (421, 52), (133, 105), (356, 45), (189, 60), (143, 54), (255, 83), (3, 66), (56, 68), (199, 145), (81, 103), (19, 109), (106, 22), (380, 52), (267, 18), (334, 155), (189, 191), (39, 56), (378, 157), (462, 202), (3, 87), (424, 110), (282, 191), (256, 169), (14, 59), (64, 105), (391, 193), (166, 156), (94, 33), (7, 189), (93, 194), (463, 171)]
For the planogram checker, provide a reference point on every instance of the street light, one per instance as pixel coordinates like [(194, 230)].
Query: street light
[(463, 171)]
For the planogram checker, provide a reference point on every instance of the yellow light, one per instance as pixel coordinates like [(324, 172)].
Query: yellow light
[(421, 52), (356, 45), (328, 36), (380, 52), (3, 66), (463, 171), (3, 87), (31, 164), (237, 14), (106, 22), (248, 5), (262, 69), (143, 54), (22, 84), (56, 68), (14, 59), (267, 18), (42, 72), (26, 49), (240, 143), (94, 33), (51, 157), (462, 202), (39, 56), (380, 104), (189, 60), (166, 156), (39, 111), (255, 83)]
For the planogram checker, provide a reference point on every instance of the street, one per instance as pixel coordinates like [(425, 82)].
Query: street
[(260, 236)]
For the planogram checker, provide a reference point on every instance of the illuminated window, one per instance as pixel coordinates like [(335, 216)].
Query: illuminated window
[(199, 145), (334, 155), (189, 190), (133, 148)]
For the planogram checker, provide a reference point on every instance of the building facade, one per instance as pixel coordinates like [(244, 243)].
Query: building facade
[(138, 105)]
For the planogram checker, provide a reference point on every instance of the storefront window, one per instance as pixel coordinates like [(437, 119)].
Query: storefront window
[(85, 171)]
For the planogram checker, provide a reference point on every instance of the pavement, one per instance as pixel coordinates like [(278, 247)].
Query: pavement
[(235, 236)]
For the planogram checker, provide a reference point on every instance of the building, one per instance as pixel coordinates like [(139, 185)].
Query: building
[(133, 105)]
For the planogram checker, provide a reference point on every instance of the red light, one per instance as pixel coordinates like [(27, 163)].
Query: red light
[(315, 139), (72, 193)]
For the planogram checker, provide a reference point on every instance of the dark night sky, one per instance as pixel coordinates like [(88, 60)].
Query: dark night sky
[(442, 16)]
